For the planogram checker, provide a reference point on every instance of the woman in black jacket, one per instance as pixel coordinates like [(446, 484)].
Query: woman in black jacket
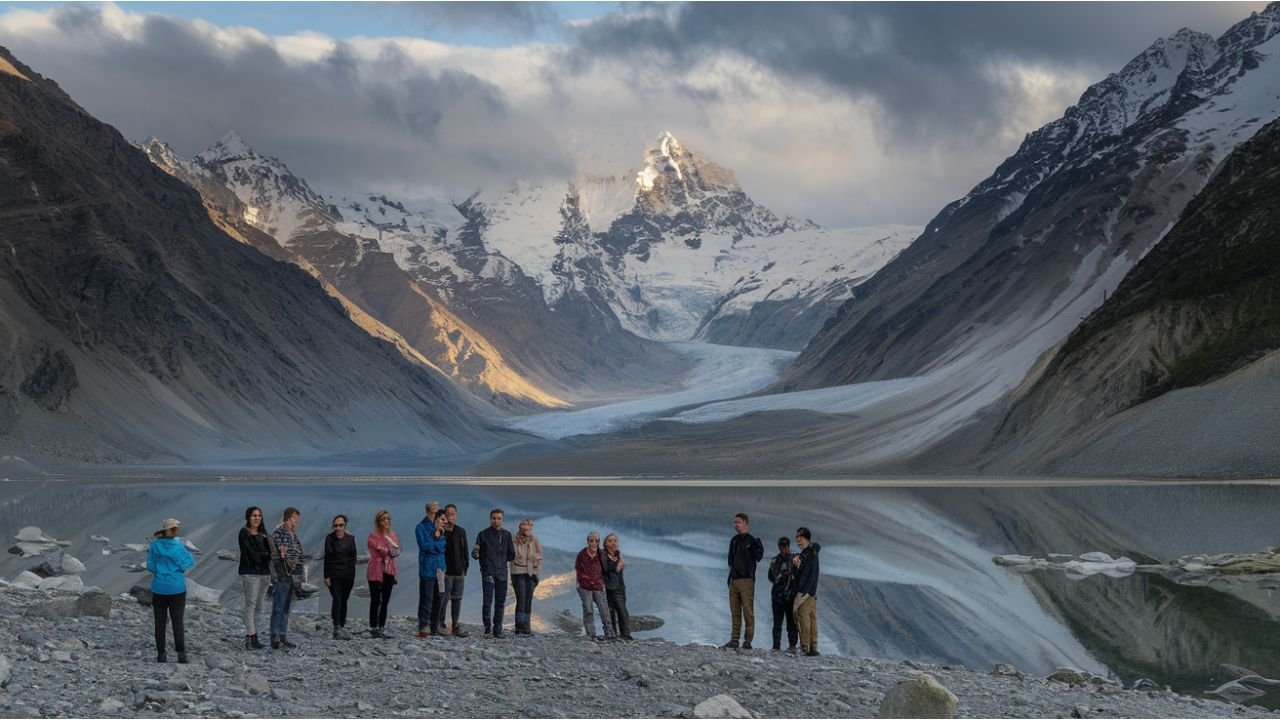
[(255, 573), (615, 588), (340, 572)]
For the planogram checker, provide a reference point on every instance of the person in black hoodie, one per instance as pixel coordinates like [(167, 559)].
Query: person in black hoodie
[(457, 560), (255, 573), (615, 587), (745, 550), (495, 549), (782, 576), (340, 573), (805, 605)]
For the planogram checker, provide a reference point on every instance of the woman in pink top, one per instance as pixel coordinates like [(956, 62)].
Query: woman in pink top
[(384, 548)]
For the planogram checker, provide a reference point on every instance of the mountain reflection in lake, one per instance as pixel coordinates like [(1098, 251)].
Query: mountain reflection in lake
[(906, 571)]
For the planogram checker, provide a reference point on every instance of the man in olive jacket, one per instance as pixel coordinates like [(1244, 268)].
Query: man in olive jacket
[(745, 550)]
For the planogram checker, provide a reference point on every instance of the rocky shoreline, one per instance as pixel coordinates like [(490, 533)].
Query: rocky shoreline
[(89, 654)]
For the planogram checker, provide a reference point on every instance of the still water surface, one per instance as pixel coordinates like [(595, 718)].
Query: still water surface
[(906, 569)]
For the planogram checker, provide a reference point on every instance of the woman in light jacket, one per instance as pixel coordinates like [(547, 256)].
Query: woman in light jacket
[(524, 574), (384, 548), (168, 561), (255, 573)]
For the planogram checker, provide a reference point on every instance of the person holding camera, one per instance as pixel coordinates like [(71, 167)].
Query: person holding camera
[(431, 544), (287, 571), (783, 578)]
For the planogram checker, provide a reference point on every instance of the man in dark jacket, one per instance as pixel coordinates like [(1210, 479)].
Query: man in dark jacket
[(805, 605), (745, 550), (495, 549), (783, 577), (456, 563)]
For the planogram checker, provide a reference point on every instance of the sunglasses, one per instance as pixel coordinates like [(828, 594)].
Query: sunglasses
[(338, 525)]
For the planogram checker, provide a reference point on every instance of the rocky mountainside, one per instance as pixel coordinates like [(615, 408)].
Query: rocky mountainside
[(424, 272), (675, 249), (1004, 274), (132, 328), (286, 219), (1203, 304)]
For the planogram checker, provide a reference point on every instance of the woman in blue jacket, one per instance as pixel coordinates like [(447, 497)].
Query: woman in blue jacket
[(431, 544), (167, 560)]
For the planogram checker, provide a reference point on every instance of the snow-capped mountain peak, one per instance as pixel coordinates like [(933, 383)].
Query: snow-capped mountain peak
[(276, 201)]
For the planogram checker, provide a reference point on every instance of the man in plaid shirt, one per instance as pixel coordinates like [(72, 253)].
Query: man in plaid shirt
[(286, 567)]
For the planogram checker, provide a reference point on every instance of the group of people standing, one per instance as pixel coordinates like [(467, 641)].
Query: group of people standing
[(274, 563), (794, 591)]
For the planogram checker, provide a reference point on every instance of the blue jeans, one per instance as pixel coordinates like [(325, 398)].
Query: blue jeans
[(281, 601), (495, 597), (430, 604), (523, 585)]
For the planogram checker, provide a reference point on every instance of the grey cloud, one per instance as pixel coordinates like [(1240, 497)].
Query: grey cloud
[(511, 19), (344, 122), (925, 64)]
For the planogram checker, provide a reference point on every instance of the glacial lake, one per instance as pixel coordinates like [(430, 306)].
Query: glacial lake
[(907, 569)]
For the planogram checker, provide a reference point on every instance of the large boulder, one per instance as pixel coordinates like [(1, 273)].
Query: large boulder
[(93, 602), (28, 579), (71, 583), (919, 697), (141, 593), (720, 706)]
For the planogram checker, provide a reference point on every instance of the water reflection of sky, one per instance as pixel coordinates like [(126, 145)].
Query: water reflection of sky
[(907, 572)]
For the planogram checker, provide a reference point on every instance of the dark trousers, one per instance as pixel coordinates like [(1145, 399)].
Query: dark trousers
[(618, 614), (495, 597), (340, 591), (523, 586), (379, 599), (430, 604), (782, 611), (169, 608)]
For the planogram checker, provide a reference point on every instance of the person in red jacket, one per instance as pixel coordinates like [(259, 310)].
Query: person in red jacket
[(384, 548), (591, 587)]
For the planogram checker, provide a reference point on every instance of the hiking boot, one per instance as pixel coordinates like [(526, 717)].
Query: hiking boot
[(374, 632), (255, 643), (423, 634), (284, 643), (248, 642), (161, 657), (337, 633), (275, 643), (792, 650), (498, 633), (746, 645), (460, 633), (182, 658), (731, 645), (813, 653)]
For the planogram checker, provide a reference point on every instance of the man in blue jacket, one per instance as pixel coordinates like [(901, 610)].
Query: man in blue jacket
[(495, 549), (431, 546)]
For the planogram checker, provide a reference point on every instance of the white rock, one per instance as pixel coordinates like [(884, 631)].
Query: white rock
[(71, 566), (102, 539), (31, 534), (26, 578), (135, 547), (201, 594), (110, 705), (720, 706), (190, 546), (62, 582), (227, 555)]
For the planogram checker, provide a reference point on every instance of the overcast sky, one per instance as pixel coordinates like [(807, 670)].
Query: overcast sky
[(850, 114)]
